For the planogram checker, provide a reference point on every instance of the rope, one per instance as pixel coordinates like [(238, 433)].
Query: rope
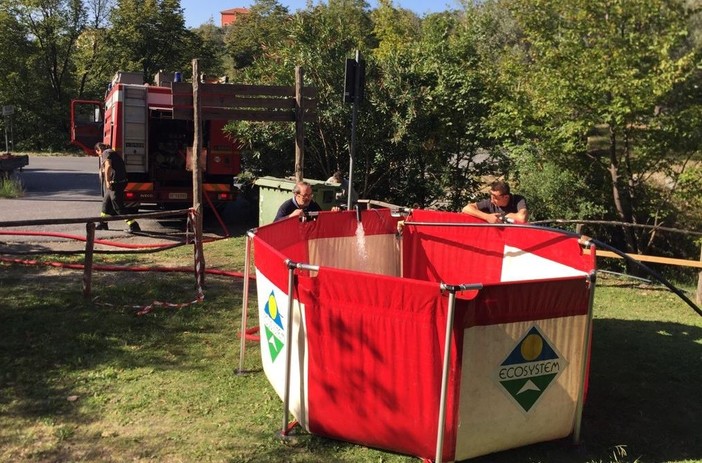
[(199, 267), (149, 308)]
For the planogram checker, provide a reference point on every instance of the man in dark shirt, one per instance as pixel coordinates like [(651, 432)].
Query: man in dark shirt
[(114, 177), (501, 207), (301, 202)]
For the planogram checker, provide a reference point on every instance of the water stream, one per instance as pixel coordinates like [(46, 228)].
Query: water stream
[(361, 246)]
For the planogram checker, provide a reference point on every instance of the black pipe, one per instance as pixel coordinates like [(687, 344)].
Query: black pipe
[(651, 272), (585, 240)]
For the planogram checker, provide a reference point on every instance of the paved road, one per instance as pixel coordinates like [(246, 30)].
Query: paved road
[(69, 187)]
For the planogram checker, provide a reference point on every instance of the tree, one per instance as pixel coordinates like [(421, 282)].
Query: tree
[(46, 32), (586, 81), (253, 33), (434, 98), (92, 60), (148, 36), (318, 39), (208, 46), (421, 126)]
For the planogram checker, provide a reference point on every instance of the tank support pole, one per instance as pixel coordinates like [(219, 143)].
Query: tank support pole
[(288, 336), (288, 347), (245, 302), (441, 428), (585, 359)]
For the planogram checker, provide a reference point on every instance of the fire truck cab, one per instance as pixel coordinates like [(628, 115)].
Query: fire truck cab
[(137, 120)]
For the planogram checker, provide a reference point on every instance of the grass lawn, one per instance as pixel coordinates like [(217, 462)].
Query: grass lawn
[(91, 381)]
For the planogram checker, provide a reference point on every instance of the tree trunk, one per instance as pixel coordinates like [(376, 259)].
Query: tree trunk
[(623, 212)]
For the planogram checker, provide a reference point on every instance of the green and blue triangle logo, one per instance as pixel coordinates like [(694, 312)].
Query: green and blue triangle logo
[(530, 368), (273, 327)]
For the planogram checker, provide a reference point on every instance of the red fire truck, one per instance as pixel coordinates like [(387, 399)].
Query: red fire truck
[(137, 119)]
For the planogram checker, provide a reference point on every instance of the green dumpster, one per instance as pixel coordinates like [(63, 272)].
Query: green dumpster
[(274, 191)]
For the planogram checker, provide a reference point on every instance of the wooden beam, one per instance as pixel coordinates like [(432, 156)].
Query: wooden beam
[(226, 114), (248, 102), (256, 90), (186, 88), (300, 125), (112, 218), (699, 282), (247, 115), (199, 255), (654, 259)]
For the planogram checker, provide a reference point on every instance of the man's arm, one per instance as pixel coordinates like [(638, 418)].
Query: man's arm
[(287, 209), (472, 209), (522, 214), (107, 173)]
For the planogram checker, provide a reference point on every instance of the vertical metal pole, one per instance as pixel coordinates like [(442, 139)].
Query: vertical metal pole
[(354, 117), (288, 348), (445, 374), (585, 359), (245, 304)]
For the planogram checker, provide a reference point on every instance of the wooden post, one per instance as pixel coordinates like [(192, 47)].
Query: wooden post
[(88, 267), (699, 283), (299, 125), (197, 176)]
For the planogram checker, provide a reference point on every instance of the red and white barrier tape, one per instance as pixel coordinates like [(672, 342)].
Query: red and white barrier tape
[(149, 308)]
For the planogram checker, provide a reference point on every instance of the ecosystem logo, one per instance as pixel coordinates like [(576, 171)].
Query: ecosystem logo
[(273, 327), (530, 368)]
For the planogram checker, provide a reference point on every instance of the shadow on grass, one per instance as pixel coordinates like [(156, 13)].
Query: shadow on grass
[(643, 401), (46, 336), (644, 398)]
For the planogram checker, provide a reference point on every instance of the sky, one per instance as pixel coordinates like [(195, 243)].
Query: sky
[(198, 12)]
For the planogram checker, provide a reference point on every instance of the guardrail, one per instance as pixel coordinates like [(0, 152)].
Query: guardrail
[(90, 234)]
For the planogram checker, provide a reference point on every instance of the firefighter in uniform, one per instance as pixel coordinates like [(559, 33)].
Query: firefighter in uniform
[(114, 176)]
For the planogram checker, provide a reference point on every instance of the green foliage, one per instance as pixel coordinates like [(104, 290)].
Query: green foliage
[(393, 27), (38, 39), (582, 69), (148, 36), (248, 38), (689, 190), (10, 187), (421, 136), (596, 103), (553, 192), (318, 40), (208, 47)]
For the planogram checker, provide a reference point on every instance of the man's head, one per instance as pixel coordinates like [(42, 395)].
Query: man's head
[(100, 147), (303, 193), (499, 193)]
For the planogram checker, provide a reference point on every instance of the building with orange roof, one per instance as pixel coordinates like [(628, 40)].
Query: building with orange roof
[(230, 16)]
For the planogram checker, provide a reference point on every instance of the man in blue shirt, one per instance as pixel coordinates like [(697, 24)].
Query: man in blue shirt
[(300, 203)]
